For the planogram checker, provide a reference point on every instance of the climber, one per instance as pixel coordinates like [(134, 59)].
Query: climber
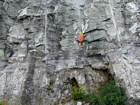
[(81, 39)]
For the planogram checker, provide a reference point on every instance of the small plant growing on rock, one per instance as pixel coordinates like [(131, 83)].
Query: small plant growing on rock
[(49, 87), (52, 81), (78, 93)]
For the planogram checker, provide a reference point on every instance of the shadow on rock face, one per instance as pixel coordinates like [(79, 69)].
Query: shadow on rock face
[(2, 0), (74, 82)]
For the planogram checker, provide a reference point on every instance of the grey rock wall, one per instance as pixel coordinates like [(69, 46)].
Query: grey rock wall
[(38, 43)]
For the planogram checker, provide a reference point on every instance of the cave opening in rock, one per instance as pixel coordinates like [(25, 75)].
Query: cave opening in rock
[(74, 82)]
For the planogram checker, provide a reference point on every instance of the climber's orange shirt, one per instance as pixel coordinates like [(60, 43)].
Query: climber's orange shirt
[(80, 38)]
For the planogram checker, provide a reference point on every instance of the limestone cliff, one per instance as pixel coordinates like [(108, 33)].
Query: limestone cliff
[(38, 43)]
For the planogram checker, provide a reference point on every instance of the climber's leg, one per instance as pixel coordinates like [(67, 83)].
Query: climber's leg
[(81, 44)]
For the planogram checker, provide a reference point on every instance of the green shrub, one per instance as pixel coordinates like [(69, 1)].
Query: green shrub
[(93, 98), (78, 93), (108, 94), (3, 103), (111, 94)]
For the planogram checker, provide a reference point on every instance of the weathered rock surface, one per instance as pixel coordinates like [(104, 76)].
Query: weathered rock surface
[(38, 43)]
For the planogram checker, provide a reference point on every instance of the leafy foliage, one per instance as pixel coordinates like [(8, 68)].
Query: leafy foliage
[(3, 103), (93, 98), (111, 94), (52, 81), (78, 93), (49, 87), (108, 94)]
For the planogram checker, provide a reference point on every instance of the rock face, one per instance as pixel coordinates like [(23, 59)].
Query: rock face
[(38, 45)]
